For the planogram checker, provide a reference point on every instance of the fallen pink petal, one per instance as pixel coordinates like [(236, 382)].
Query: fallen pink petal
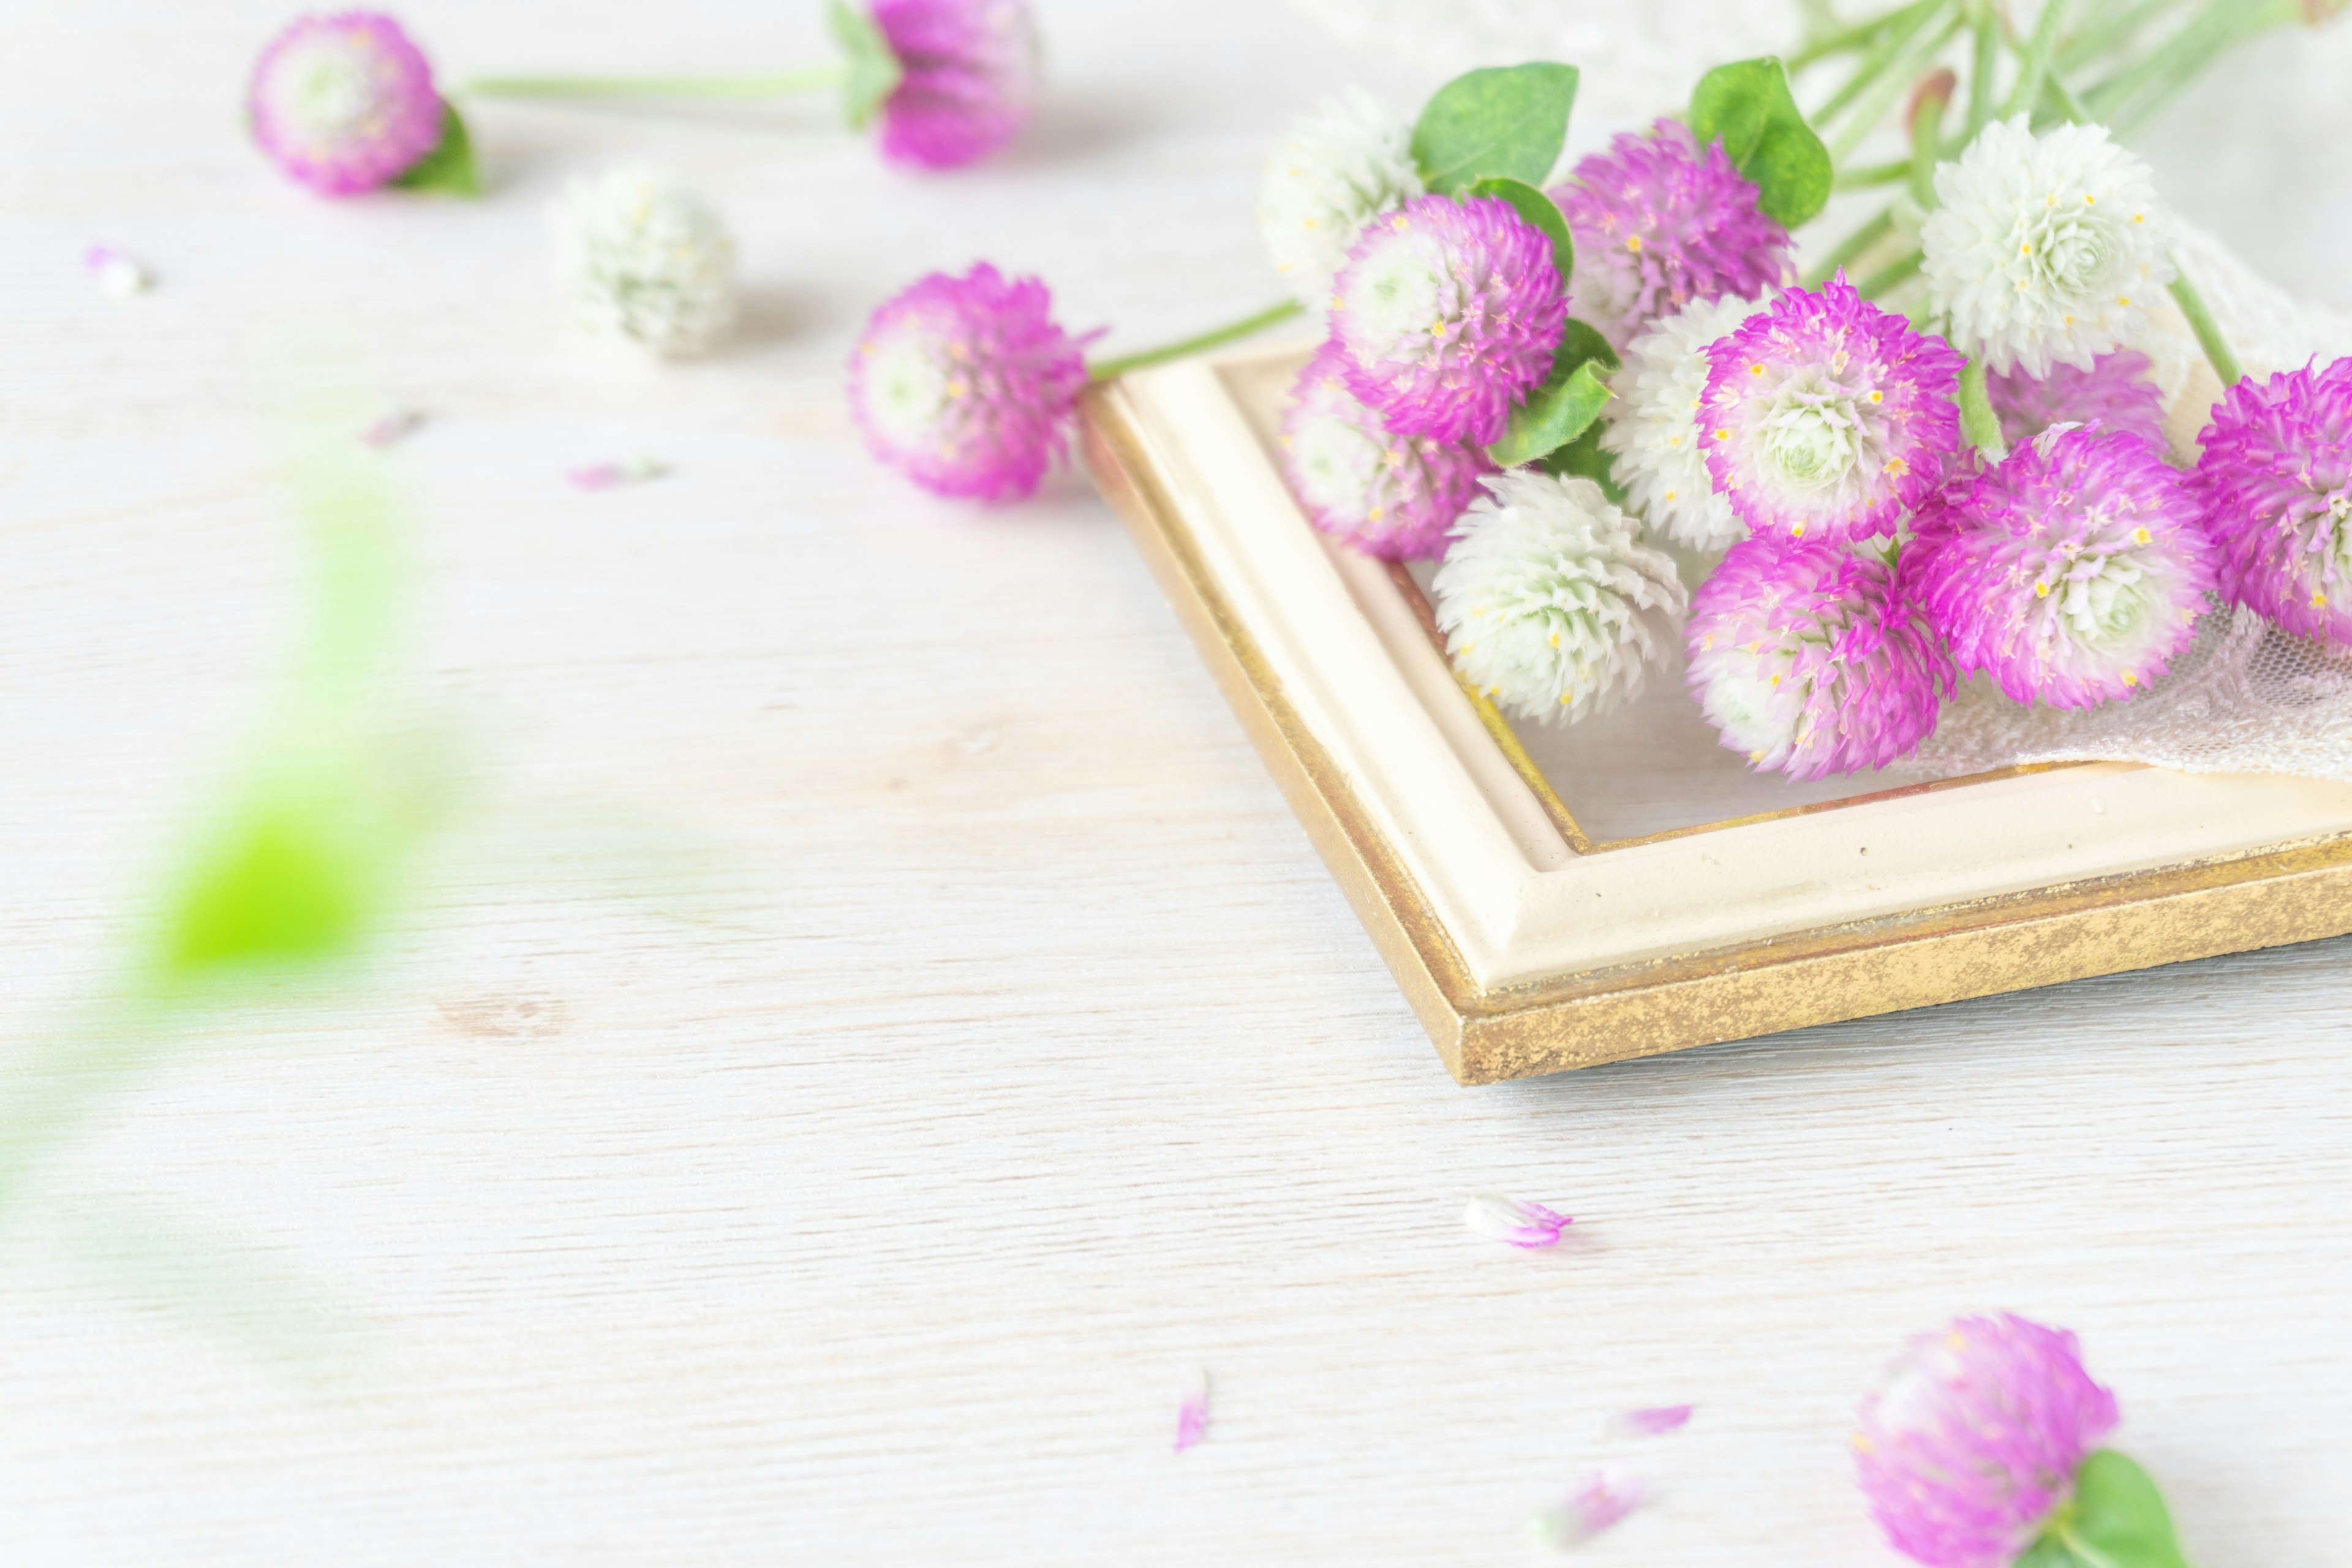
[(1513, 1221), (1656, 1421), (116, 273), (392, 428), (1193, 1412), (1599, 1501), (612, 476)]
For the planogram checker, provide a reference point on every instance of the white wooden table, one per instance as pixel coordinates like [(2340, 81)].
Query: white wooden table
[(878, 1028)]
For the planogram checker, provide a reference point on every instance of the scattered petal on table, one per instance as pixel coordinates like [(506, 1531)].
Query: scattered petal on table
[(1514, 1221), (394, 427), (611, 476), (1599, 1501), (1192, 1411), (1654, 1422), (116, 273)]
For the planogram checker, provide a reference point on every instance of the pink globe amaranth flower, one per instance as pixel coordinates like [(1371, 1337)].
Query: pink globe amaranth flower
[(1975, 1439), (344, 103), (2071, 572), (1808, 658), (1450, 312), (2117, 393), (970, 81), (2275, 479), (967, 385), (1389, 495), (1659, 223), (1825, 416)]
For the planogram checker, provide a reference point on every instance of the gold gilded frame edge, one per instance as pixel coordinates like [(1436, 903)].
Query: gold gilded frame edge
[(2044, 937)]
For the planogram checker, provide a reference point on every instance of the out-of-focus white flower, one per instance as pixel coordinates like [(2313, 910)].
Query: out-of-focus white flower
[(645, 261), (116, 273), (1551, 605), (2047, 249), (1658, 459), (1347, 162)]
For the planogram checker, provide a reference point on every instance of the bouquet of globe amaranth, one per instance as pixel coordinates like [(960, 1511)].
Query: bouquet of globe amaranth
[(1942, 452)]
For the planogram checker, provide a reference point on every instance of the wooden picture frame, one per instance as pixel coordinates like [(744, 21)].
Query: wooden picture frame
[(1532, 937)]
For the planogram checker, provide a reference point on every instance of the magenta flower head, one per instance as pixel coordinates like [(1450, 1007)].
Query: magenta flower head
[(1826, 417), (2277, 482), (344, 103), (2071, 572), (1807, 656), (2117, 393), (1450, 312), (1974, 1439), (1660, 223), (970, 79), (967, 385), (1391, 496)]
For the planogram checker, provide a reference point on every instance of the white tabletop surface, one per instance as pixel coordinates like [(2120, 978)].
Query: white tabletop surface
[(878, 1029)]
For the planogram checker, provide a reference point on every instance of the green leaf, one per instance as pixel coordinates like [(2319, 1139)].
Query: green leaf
[(2116, 1519), (874, 72), (1570, 398), (1508, 121), (1537, 209), (1584, 458), (449, 169), (1748, 107)]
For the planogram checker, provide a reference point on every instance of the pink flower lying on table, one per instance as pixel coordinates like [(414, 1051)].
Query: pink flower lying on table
[(1975, 1439), (1661, 221), (1450, 312), (970, 81), (967, 385), (2275, 479), (344, 103)]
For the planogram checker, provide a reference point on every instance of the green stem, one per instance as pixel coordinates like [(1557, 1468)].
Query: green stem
[(1900, 74), (1978, 421), (1857, 242), (1875, 174), (1907, 25), (1926, 141), (2124, 101), (1861, 35), (2055, 91), (2100, 39), (815, 78), (1985, 60), (2033, 63), (2209, 330), (1103, 370), (1893, 272)]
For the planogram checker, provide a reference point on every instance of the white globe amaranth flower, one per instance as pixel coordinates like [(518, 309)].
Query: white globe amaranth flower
[(1341, 166), (1659, 462), (2047, 249), (645, 261), (1551, 602)]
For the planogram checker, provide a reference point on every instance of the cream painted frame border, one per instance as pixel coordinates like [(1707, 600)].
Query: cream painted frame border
[(1523, 955)]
